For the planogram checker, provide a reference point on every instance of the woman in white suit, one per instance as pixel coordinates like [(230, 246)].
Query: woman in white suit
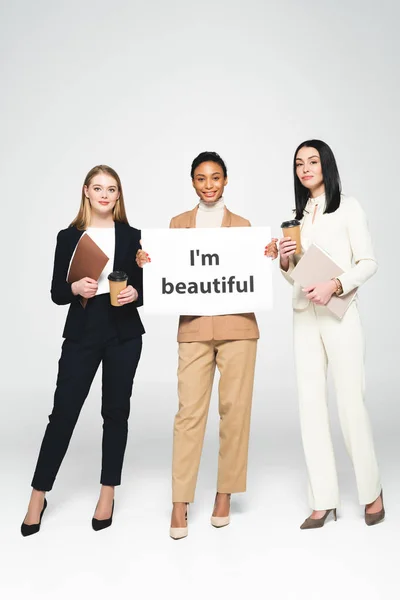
[(338, 225)]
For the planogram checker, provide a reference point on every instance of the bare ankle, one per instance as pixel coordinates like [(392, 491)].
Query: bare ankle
[(179, 514), (37, 496), (38, 493), (222, 498), (179, 505), (107, 491)]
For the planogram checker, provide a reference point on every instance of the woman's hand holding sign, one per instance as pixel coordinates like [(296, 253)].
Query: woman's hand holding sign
[(142, 258), (271, 250)]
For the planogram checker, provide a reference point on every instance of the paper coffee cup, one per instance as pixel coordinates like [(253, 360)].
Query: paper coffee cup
[(118, 281), (292, 229)]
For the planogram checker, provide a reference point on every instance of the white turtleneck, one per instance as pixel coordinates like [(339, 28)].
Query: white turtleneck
[(210, 215)]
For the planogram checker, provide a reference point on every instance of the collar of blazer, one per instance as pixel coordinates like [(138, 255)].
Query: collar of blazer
[(122, 240), (192, 214)]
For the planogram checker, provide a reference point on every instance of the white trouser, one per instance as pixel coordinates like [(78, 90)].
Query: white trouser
[(319, 339)]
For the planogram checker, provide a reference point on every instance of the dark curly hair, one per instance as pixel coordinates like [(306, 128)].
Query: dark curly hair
[(206, 157)]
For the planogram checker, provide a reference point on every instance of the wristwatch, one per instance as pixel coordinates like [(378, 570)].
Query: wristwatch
[(339, 288)]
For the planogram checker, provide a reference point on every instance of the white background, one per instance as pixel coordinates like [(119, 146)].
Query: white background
[(145, 87), (240, 254)]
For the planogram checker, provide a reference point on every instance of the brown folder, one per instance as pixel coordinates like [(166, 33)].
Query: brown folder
[(88, 260), (317, 266)]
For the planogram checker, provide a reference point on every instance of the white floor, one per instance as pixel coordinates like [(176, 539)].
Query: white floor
[(262, 554)]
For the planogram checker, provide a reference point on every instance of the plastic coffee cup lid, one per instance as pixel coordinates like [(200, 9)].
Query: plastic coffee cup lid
[(287, 224), (118, 276)]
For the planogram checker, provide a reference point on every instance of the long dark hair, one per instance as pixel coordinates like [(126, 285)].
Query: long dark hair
[(330, 173)]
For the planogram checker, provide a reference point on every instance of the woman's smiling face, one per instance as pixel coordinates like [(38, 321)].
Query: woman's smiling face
[(103, 193), (209, 182)]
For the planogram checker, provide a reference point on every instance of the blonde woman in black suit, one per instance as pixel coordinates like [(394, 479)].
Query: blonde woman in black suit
[(98, 333)]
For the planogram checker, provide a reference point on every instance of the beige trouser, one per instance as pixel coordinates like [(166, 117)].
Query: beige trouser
[(321, 339), (235, 360)]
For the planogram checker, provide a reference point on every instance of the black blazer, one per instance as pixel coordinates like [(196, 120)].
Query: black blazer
[(126, 317)]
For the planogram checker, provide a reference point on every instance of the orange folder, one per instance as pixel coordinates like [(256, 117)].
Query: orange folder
[(88, 260)]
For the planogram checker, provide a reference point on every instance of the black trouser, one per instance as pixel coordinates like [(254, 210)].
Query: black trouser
[(77, 367)]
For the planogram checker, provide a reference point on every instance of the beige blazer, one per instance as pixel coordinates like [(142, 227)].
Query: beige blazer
[(345, 236), (221, 327)]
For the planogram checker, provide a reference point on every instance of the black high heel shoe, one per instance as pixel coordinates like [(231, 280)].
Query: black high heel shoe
[(35, 528), (99, 524)]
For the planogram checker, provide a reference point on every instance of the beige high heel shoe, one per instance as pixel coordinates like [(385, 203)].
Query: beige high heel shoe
[(375, 518), (220, 521), (310, 523), (178, 533)]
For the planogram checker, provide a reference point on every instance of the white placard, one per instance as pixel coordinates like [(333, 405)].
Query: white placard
[(217, 271)]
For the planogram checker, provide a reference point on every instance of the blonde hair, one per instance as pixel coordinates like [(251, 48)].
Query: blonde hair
[(82, 219)]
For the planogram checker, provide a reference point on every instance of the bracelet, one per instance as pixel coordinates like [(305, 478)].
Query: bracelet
[(339, 288)]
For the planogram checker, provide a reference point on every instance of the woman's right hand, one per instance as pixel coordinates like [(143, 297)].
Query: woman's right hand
[(287, 247), (85, 287), (142, 258)]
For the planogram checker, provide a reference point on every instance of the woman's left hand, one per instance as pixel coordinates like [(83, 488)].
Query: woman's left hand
[(129, 294), (271, 250), (320, 293)]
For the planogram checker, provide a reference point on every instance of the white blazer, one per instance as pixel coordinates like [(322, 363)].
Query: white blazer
[(345, 236)]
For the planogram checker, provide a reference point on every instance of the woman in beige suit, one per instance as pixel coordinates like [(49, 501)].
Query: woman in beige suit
[(228, 342), (338, 225)]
